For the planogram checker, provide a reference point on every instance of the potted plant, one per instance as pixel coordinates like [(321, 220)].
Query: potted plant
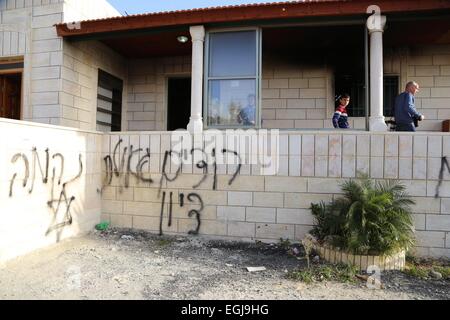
[(371, 224)]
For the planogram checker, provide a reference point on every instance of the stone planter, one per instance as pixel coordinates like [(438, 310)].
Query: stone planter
[(362, 262)]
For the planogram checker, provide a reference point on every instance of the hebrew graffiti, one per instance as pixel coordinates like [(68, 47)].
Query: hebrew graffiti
[(192, 197), (444, 163), (62, 200), (112, 169), (119, 164), (27, 171)]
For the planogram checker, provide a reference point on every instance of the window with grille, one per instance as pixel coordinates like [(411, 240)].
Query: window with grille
[(109, 102), (390, 91), (354, 86)]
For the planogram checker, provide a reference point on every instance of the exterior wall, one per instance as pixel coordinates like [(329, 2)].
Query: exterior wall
[(26, 215), (27, 30), (301, 96), (430, 67), (79, 76), (147, 90), (298, 95), (263, 207)]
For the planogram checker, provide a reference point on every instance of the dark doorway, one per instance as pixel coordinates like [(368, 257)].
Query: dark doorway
[(178, 103), (10, 91)]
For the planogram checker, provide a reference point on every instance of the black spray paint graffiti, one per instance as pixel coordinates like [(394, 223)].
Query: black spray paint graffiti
[(124, 170), (444, 163), (202, 164), (112, 168), (196, 212), (54, 203)]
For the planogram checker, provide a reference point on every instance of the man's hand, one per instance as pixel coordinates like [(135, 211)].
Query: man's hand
[(422, 117)]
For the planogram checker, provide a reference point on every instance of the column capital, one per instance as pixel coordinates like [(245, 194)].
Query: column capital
[(376, 23), (197, 33)]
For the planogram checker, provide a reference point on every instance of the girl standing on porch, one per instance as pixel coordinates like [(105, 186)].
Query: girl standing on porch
[(340, 116)]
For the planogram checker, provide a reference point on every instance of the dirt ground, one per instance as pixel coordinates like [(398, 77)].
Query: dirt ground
[(125, 264)]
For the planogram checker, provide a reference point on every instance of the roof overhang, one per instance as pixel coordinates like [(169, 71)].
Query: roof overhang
[(255, 12)]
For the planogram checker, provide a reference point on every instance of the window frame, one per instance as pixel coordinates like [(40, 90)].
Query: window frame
[(391, 75), (257, 78), (115, 85)]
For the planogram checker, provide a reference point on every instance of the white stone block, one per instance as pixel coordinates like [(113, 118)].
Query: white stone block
[(405, 146), (430, 239), (268, 199), (321, 145), (231, 213), (405, 168), (241, 229), (433, 170), (307, 164), (445, 206), (295, 216), (321, 185), (321, 166), (260, 214), (285, 184), (416, 188), (274, 231), (391, 145), (335, 166), (240, 198), (376, 167), (349, 145), (294, 166), (362, 166), (420, 146), (377, 146), (391, 167), (335, 145), (363, 145), (419, 168), (348, 167), (435, 146), (304, 200), (308, 145), (295, 144)]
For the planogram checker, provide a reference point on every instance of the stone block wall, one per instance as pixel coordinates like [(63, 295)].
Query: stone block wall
[(147, 90), (49, 178), (27, 31), (253, 206)]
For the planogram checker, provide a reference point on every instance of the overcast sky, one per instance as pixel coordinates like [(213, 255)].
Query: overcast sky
[(143, 6)]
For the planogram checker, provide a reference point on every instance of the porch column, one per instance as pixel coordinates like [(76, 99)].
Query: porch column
[(196, 122), (375, 25)]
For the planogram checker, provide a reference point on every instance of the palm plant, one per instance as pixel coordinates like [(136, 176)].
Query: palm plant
[(370, 218)]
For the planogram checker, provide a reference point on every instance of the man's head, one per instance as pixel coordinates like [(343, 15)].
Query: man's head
[(412, 87), (251, 99)]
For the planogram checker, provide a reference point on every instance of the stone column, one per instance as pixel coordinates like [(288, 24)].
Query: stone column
[(375, 25), (196, 121)]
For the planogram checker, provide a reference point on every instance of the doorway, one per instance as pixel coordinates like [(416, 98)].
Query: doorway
[(178, 103), (10, 95)]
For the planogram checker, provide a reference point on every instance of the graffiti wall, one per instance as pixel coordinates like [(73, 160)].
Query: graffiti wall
[(49, 178), (150, 182), (57, 182)]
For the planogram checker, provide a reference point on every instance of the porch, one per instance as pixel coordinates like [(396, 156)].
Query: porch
[(294, 67)]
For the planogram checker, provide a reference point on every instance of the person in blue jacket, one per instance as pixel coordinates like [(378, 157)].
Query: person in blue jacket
[(340, 116), (404, 109)]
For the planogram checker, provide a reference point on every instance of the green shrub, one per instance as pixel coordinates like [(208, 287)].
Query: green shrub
[(370, 218)]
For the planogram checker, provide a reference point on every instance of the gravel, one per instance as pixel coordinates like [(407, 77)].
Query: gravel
[(127, 264)]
